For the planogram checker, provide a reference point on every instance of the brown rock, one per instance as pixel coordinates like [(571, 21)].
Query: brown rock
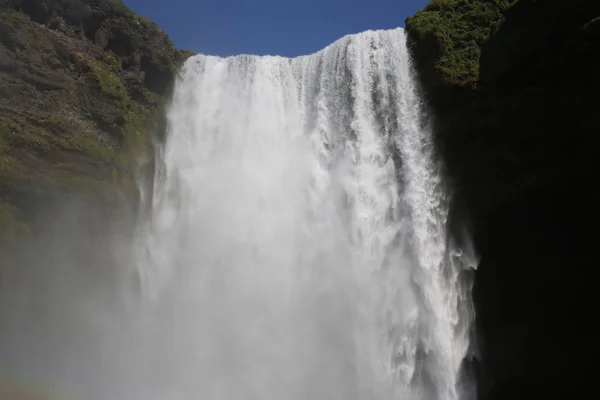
[(78, 80)]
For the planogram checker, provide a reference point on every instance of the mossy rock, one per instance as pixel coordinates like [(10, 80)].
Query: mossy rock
[(447, 35), (84, 87), (13, 17)]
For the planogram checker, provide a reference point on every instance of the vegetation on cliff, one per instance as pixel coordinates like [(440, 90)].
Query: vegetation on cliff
[(81, 82), (514, 89), (497, 73), (447, 36)]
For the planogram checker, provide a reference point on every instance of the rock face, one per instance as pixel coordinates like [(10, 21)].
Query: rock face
[(514, 87), (79, 80)]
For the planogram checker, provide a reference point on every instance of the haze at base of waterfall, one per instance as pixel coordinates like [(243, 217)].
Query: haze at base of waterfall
[(295, 247), (300, 203)]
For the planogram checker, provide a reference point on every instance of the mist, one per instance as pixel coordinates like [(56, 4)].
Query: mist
[(294, 247)]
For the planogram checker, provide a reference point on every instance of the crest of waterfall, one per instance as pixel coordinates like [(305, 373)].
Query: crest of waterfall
[(298, 244)]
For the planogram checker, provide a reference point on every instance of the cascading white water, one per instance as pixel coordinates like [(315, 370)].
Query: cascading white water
[(298, 245), (295, 248)]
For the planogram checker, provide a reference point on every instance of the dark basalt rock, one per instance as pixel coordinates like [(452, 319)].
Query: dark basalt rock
[(517, 134)]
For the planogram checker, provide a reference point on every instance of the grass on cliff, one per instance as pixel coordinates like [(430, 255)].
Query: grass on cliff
[(60, 141), (134, 140), (14, 134), (106, 73), (12, 17), (110, 83), (90, 146), (458, 28), (61, 134)]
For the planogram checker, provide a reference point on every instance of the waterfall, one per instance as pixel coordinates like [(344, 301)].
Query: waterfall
[(295, 247), (298, 231)]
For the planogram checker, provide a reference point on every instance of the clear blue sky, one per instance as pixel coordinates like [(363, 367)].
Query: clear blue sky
[(276, 27)]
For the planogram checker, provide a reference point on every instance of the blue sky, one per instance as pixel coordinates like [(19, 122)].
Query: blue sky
[(284, 27)]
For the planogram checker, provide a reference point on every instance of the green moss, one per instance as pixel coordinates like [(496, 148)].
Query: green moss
[(458, 28), (19, 139), (119, 8), (12, 17), (113, 64), (106, 73), (16, 134), (89, 146), (147, 22), (150, 97), (135, 139), (110, 83), (185, 54)]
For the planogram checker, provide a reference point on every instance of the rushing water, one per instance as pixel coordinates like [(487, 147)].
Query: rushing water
[(296, 244)]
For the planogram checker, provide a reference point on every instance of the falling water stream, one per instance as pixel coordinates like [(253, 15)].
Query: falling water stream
[(296, 245)]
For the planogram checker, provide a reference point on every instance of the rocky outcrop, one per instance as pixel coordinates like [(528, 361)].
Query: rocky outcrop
[(79, 81), (514, 86)]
